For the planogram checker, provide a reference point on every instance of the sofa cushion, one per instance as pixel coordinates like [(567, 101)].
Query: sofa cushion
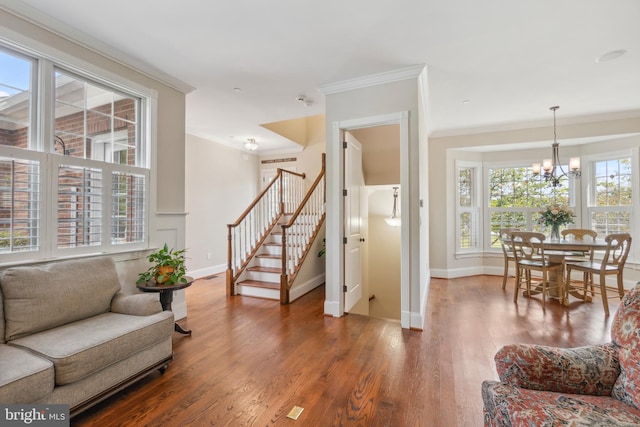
[(625, 332), (37, 298), (507, 405), (24, 377), (81, 348)]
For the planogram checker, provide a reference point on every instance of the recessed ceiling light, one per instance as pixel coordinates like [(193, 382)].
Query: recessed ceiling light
[(610, 56), (237, 89), (466, 101)]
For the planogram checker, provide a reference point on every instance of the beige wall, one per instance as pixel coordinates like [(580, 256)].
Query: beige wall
[(168, 138), (220, 183), (443, 153), (384, 268), (309, 160), (357, 105)]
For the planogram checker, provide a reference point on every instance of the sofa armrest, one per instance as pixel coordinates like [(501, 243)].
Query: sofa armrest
[(581, 370), (137, 304)]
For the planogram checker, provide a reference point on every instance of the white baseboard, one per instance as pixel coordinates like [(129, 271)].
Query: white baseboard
[(208, 271), (332, 308), (299, 290)]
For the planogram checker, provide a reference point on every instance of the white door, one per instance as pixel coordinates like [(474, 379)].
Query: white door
[(354, 184)]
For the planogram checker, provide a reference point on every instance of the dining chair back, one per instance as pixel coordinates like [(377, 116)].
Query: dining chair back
[(505, 236), (528, 250), (612, 263), (579, 233)]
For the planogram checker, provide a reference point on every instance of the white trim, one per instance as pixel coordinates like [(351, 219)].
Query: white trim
[(334, 302), (207, 271), (372, 80), (306, 287)]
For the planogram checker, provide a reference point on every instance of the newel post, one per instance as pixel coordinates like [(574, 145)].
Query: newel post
[(230, 284), (284, 282)]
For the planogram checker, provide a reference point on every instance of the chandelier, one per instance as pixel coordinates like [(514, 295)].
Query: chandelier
[(251, 144), (552, 168), (394, 219)]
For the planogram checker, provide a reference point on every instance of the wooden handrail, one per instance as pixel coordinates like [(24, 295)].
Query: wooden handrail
[(286, 279), (253, 226), (304, 201)]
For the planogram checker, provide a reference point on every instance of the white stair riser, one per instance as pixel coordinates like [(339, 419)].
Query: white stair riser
[(269, 262), (258, 292), (263, 276), (272, 250)]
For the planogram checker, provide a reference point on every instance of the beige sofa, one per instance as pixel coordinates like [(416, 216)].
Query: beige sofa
[(69, 336)]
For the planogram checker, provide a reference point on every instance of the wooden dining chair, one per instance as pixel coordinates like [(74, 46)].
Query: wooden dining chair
[(612, 263), (579, 233), (529, 255), (505, 235)]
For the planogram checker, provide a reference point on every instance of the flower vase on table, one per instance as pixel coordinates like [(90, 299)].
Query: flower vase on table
[(555, 216)]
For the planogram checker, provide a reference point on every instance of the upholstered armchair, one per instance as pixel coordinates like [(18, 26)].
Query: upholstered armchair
[(585, 386)]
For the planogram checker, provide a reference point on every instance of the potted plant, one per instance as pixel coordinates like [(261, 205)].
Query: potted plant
[(168, 267)]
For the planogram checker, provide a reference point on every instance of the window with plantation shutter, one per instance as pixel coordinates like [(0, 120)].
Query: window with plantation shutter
[(74, 172), (19, 205), (79, 207)]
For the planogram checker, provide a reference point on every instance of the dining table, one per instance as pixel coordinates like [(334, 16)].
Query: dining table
[(557, 250)]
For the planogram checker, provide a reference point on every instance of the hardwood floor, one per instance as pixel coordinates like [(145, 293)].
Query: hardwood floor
[(249, 361)]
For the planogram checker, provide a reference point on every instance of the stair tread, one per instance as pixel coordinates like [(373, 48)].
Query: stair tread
[(266, 269), (269, 256), (259, 284)]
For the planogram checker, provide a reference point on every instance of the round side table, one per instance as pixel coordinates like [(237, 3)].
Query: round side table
[(166, 296)]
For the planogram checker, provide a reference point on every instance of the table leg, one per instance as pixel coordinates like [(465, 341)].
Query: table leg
[(166, 298)]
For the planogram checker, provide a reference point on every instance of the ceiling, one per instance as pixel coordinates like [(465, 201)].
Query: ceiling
[(245, 63)]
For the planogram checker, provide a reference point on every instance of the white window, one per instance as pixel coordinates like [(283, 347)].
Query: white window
[(610, 199), (468, 229), (73, 172), (515, 196)]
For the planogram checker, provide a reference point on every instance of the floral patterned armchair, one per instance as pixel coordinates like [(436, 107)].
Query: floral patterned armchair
[(585, 386)]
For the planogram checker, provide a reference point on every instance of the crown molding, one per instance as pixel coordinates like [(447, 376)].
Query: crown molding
[(373, 80), (72, 34)]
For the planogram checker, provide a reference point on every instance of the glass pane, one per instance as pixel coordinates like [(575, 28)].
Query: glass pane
[(501, 220), (611, 222), (465, 222), (465, 187), (19, 205), (99, 100), (101, 122), (127, 212), (79, 207), (612, 182), (15, 100), (125, 108)]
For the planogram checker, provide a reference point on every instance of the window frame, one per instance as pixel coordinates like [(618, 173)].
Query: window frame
[(588, 176), (528, 212), (41, 128), (474, 210)]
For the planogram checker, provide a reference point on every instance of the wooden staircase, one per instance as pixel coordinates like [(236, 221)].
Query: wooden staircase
[(262, 277), (269, 242)]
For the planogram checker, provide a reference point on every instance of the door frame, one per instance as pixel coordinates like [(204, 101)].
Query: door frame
[(334, 301)]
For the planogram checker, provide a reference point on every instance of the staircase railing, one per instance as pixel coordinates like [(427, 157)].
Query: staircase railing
[(300, 232), (244, 237)]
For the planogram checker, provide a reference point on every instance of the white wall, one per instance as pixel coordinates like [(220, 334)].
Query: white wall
[(220, 183)]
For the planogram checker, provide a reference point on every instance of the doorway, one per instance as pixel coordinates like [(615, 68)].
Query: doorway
[(334, 304)]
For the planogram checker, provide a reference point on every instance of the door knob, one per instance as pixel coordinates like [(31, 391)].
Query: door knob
[(362, 239)]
